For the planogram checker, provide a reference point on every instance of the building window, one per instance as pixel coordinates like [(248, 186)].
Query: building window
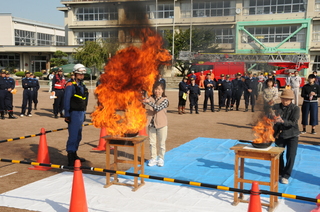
[(224, 35), (274, 34), (82, 37), (110, 35), (316, 33), (9, 61), (44, 39), (211, 9), (96, 13), (24, 38), (60, 40), (257, 7), (163, 11), (317, 5)]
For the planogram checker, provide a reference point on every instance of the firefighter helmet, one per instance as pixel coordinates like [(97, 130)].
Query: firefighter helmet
[(79, 69)]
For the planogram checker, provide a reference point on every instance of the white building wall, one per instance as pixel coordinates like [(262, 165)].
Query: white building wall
[(6, 35)]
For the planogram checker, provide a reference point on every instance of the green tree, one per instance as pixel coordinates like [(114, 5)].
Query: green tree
[(96, 53), (57, 59), (202, 40)]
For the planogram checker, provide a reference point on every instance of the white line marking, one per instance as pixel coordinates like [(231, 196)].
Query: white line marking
[(8, 174)]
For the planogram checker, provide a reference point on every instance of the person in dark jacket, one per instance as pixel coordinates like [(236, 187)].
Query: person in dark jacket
[(310, 93), (209, 85), (237, 91), (29, 87), (250, 87), (35, 92), (58, 86), (286, 132), (220, 92), (194, 94), (8, 101), (227, 92), (75, 105), (183, 90)]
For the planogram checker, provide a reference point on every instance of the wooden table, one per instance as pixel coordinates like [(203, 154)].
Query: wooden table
[(272, 154), (133, 142)]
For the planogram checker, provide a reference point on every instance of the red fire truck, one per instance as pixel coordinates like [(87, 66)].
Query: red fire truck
[(288, 67), (218, 68)]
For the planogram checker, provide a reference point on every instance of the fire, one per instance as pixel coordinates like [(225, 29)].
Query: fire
[(128, 74), (264, 131)]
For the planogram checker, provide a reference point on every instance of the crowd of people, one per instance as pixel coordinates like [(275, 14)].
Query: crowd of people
[(71, 99), (285, 115)]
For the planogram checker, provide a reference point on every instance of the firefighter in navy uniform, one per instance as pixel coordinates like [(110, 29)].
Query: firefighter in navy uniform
[(3, 92), (9, 96), (58, 86), (209, 85), (72, 78), (250, 86), (75, 104), (35, 92), (29, 85), (220, 92), (237, 91), (227, 92), (194, 94)]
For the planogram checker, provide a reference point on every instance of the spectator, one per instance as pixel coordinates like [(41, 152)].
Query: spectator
[(270, 95), (183, 90), (157, 123), (317, 77), (295, 82), (58, 86), (194, 94), (209, 85), (237, 91), (162, 80), (35, 92), (310, 93), (53, 73)]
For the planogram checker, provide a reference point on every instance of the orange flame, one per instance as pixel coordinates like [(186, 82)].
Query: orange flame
[(264, 131), (128, 74)]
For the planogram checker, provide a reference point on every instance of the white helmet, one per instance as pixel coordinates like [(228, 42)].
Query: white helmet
[(79, 69)]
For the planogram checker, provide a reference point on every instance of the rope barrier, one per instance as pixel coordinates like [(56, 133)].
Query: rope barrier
[(34, 135), (206, 185)]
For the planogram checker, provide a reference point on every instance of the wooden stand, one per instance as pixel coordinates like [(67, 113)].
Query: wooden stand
[(133, 142), (272, 154)]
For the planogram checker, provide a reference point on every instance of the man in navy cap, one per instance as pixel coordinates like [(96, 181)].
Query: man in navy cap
[(29, 86), (209, 85), (220, 92), (250, 87), (9, 96), (227, 91), (3, 92), (237, 91)]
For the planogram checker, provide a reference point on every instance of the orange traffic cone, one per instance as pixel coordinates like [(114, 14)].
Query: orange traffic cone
[(254, 202), (43, 153), (17, 82), (143, 132), (102, 141), (78, 202)]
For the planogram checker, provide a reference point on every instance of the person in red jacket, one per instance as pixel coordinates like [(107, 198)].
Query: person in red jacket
[(58, 86)]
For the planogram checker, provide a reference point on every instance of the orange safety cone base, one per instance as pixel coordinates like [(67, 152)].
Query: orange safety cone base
[(78, 202), (143, 132), (43, 153), (255, 202), (102, 141)]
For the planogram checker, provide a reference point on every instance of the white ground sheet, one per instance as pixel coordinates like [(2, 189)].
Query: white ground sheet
[(53, 194)]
